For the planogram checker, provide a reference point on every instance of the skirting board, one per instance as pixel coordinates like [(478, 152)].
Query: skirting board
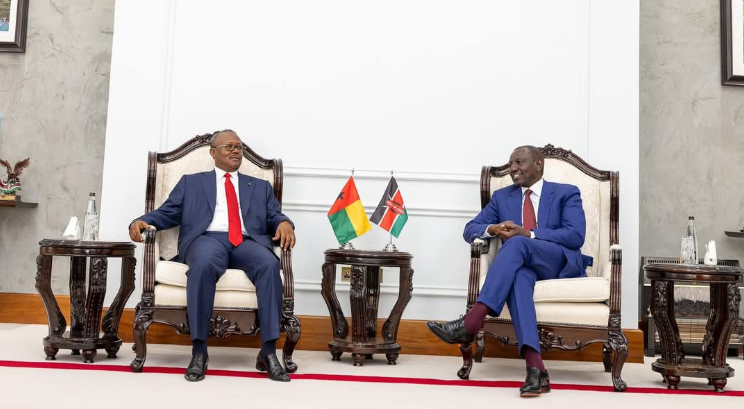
[(413, 336)]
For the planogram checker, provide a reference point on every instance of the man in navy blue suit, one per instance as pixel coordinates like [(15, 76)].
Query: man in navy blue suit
[(227, 220), (542, 225)]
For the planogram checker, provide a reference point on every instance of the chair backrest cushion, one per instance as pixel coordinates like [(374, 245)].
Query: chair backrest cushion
[(595, 196)]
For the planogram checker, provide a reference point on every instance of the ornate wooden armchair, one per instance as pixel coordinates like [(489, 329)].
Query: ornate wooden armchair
[(164, 282), (571, 313)]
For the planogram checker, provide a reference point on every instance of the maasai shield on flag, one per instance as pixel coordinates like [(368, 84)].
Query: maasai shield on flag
[(391, 213), (347, 214)]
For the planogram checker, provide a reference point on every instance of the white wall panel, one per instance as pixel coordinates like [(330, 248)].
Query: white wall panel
[(431, 89)]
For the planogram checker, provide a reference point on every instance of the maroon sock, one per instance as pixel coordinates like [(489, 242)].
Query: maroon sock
[(475, 317), (533, 358)]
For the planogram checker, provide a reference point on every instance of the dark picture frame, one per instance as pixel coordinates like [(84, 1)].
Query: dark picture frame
[(732, 70), (16, 44)]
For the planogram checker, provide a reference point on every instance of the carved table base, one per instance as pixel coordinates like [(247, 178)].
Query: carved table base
[(85, 308), (364, 295), (724, 313)]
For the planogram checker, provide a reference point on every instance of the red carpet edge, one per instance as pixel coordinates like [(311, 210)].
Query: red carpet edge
[(357, 378)]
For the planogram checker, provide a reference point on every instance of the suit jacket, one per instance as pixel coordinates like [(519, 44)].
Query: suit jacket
[(191, 205), (560, 220)]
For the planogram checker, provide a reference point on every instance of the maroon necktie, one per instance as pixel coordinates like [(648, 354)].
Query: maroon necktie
[(234, 232), (528, 213)]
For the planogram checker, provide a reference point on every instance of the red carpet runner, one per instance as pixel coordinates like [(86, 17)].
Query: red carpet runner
[(356, 378)]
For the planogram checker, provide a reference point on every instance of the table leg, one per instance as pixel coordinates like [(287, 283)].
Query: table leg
[(94, 303), (77, 298), (662, 309), (724, 313), (328, 290), (57, 323), (390, 328), (113, 316), (373, 299), (358, 306)]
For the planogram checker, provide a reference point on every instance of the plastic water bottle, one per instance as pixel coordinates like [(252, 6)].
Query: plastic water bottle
[(693, 233), (90, 229)]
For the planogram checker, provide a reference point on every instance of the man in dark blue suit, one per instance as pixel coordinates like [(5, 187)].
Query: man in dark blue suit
[(542, 225), (227, 220)]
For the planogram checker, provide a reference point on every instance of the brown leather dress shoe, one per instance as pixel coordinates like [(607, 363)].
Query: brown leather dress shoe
[(270, 364), (537, 382), (451, 332)]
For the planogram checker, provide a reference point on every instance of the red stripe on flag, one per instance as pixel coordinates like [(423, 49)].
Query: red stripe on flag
[(387, 220), (347, 196)]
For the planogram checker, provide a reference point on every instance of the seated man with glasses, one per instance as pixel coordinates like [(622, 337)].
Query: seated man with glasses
[(227, 220)]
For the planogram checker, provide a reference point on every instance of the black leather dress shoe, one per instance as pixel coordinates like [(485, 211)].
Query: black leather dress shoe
[(271, 365), (451, 332), (197, 368), (537, 382)]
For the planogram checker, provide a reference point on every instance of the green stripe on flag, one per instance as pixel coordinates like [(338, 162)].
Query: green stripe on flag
[(342, 227), (399, 223)]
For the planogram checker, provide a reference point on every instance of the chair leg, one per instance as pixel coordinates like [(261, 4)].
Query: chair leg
[(142, 321), (607, 357), (480, 346), (291, 325), (619, 344), (467, 361)]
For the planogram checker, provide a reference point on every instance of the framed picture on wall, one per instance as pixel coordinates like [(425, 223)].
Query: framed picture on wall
[(732, 42), (13, 24)]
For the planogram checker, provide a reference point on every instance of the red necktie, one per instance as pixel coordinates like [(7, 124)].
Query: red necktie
[(234, 232), (528, 213)]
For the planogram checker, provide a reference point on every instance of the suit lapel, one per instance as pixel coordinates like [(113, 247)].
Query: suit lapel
[(546, 198), (209, 183), (515, 205), (246, 184)]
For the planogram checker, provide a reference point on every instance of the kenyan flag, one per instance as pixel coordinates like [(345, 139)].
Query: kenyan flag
[(347, 215), (391, 213)]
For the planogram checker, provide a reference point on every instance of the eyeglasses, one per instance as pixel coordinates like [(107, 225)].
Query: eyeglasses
[(229, 147)]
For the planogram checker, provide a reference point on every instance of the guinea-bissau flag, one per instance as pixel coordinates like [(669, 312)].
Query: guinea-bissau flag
[(347, 214), (391, 213)]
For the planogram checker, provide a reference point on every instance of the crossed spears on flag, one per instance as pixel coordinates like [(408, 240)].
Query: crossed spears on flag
[(349, 220)]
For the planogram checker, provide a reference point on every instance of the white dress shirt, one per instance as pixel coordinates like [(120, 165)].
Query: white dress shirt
[(219, 220), (536, 189)]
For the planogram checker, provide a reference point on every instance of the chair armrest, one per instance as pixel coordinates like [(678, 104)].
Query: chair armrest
[(149, 261), (285, 263), (616, 260), (482, 254)]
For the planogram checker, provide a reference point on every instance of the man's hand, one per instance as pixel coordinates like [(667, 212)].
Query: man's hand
[(135, 230), (285, 235), (507, 230)]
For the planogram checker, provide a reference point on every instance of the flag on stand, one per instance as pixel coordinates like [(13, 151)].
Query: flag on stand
[(391, 213), (347, 215)]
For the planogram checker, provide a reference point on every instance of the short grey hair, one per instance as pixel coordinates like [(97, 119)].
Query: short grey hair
[(216, 135)]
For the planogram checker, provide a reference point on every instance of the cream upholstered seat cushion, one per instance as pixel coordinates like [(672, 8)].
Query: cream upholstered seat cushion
[(569, 313), (234, 289), (175, 296), (581, 290)]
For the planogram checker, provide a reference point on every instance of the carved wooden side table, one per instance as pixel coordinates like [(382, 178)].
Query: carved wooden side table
[(85, 309), (364, 296), (724, 313)]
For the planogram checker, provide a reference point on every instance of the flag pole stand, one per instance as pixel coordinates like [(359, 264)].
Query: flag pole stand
[(390, 246), (347, 246)]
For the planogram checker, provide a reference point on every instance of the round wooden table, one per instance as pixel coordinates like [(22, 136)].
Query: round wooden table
[(85, 309), (724, 313), (365, 295)]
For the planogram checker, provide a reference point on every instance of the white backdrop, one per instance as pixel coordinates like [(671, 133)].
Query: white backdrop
[(430, 89)]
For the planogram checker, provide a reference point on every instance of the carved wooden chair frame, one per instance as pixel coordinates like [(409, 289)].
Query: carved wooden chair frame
[(560, 336), (225, 321)]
